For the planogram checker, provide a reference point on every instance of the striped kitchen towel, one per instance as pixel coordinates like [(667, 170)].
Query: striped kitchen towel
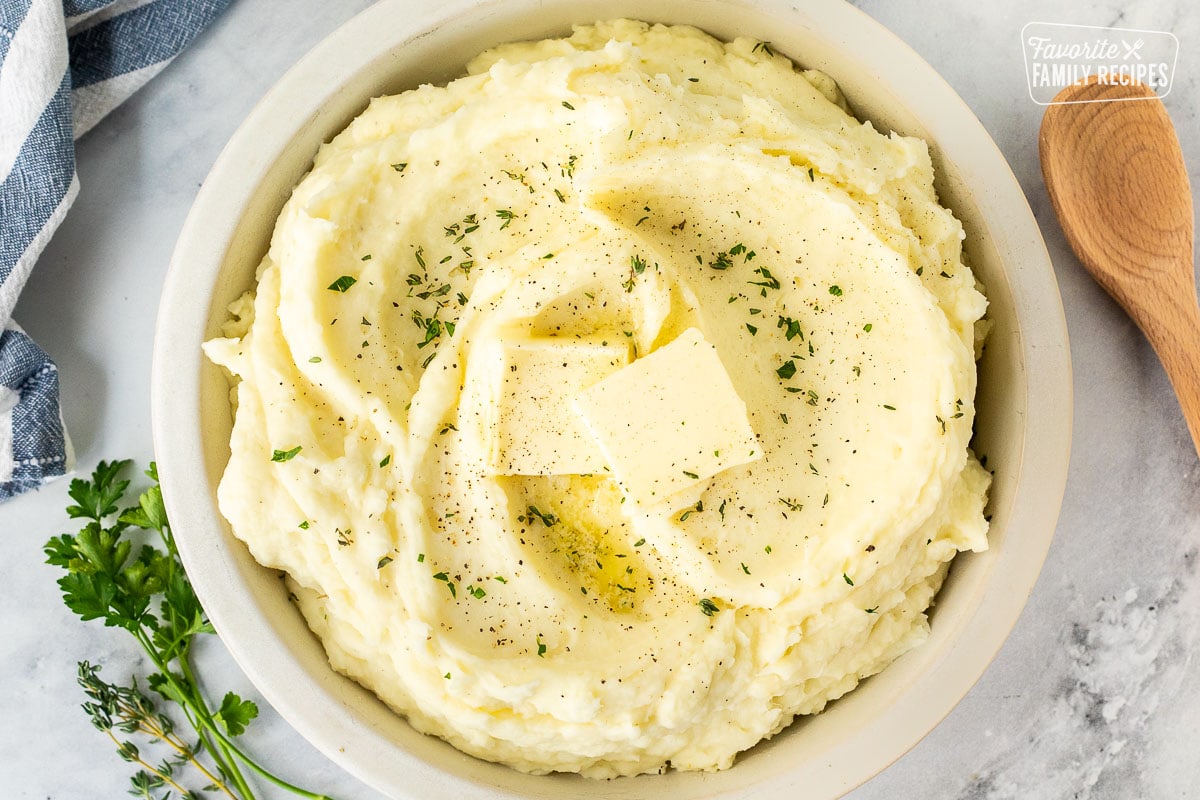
[(64, 64)]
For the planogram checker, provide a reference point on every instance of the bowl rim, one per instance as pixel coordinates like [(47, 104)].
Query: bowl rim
[(322, 717)]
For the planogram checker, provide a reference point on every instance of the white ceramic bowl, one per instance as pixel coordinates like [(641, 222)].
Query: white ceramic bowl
[(1024, 398)]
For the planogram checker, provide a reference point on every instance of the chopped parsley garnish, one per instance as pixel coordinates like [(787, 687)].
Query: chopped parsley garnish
[(433, 329), (441, 576), (383, 562), (440, 291), (791, 328), (708, 607), (768, 281), (694, 509), (342, 284), (533, 512), (285, 455), (787, 370), (721, 261)]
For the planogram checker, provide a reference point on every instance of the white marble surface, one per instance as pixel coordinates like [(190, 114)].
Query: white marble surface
[(1095, 695)]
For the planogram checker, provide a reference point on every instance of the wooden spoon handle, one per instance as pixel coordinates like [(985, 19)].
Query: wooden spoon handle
[(1177, 342)]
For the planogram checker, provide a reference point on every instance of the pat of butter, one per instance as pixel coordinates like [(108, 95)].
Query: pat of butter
[(535, 430), (669, 421)]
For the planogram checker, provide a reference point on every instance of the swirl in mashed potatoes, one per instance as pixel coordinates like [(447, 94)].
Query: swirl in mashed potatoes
[(609, 407)]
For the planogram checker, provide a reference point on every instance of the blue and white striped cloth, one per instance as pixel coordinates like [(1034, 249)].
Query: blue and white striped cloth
[(64, 64)]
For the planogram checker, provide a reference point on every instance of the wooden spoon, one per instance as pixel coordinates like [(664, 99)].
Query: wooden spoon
[(1116, 177)]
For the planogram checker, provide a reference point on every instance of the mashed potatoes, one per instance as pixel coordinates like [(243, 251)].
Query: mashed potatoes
[(610, 406)]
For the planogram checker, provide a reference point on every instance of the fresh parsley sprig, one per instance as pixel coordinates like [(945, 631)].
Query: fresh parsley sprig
[(144, 590)]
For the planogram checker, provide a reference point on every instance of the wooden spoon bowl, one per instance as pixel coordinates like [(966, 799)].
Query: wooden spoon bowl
[(1116, 177)]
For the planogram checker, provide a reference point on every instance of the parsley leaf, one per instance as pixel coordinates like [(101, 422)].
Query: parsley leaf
[(97, 498), (235, 713), (280, 456)]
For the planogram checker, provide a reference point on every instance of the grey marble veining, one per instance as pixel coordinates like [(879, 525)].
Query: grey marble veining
[(1096, 694)]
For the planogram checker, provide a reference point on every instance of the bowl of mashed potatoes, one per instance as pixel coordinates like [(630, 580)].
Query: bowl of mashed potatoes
[(609, 399)]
